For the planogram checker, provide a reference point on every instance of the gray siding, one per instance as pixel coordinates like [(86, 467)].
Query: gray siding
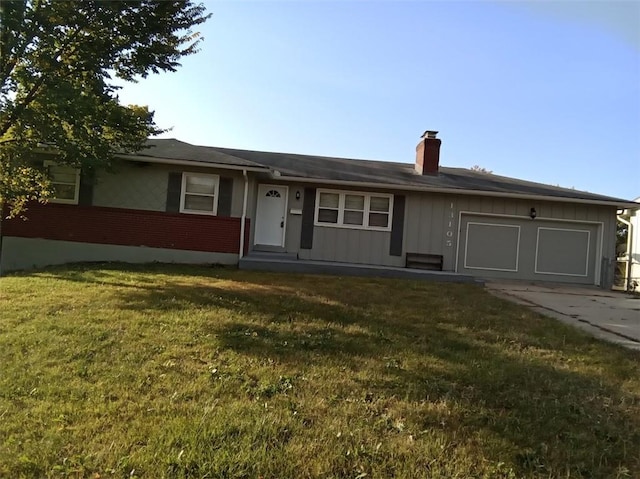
[(251, 208), (351, 246), (294, 219), (144, 186), (335, 244), (554, 210), (133, 187), (432, 227)]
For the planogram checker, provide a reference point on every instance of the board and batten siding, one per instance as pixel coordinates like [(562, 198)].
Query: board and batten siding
[(347, 245), (343, 245), (294, 218), (549, 210), (432, 225)]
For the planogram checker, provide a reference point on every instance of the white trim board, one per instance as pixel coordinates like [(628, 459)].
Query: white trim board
[(528, 218), (599, 236), (466, 245), (342, 208), (586, 268)]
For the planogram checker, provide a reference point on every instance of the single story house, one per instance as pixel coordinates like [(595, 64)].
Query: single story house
[(176, 202)]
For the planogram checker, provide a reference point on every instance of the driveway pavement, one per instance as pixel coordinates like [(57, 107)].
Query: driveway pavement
[(609, 315)]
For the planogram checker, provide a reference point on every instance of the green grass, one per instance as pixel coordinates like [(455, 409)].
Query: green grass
[(169, 371)]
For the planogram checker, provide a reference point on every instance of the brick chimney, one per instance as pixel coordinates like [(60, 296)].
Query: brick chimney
[(428, 153)]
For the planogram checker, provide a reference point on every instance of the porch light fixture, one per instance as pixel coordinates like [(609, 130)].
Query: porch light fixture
[(533, 213), (298, 195)]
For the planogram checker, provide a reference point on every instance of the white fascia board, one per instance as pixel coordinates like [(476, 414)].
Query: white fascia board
[(452, 191), (204, 164)]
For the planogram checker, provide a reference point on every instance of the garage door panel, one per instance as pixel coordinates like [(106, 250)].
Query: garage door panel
[(493, 247), (521, 248), (562, 252)]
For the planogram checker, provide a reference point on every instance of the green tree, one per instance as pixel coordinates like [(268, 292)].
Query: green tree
[(480, 169), (59, 61), (622, 233)]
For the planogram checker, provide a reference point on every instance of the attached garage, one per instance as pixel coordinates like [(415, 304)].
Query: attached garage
[(511, 247)]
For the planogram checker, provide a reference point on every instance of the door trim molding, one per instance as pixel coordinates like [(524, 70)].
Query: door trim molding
[(284, 214)]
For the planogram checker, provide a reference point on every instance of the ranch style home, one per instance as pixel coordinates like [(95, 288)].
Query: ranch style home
[(176, 202)]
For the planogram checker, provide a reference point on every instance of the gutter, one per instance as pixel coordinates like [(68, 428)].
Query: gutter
[(426, 189), (629, 248), (277, 175), (244, 213), (168, 161)]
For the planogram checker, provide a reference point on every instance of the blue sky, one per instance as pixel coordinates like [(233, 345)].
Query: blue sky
[(543, 91)]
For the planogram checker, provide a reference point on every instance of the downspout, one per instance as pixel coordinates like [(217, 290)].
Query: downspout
[(629, 252), (244, 213)]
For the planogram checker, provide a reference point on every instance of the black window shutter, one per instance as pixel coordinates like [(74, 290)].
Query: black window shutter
[(397, 226), (173, 192), (308, 214), (85, 192), (225, 194)]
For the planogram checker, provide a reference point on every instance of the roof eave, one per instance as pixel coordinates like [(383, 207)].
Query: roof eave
[(450, 191), (205, 164)]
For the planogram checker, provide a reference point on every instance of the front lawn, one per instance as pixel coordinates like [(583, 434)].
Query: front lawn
[(173, 371)]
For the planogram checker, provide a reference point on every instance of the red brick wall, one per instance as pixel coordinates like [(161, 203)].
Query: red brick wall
[(94, 224)]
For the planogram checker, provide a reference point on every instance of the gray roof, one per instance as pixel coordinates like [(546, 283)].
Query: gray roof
[(386, 174), (172, 149)]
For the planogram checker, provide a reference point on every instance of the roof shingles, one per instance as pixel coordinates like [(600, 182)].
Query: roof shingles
[(386, 174)]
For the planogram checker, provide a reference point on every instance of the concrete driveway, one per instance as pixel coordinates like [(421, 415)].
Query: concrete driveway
[(609, 315)]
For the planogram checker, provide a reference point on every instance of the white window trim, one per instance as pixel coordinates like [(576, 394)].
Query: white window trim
[(76, 194), (341, 208), (183, 193)]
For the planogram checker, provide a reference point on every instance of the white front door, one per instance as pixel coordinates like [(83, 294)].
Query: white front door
[(271, 215)]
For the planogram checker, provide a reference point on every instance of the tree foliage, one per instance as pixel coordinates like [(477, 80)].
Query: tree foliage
[(59, 61), (480, 169), (622, 233)]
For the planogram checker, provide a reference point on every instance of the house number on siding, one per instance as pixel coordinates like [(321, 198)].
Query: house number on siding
[(449, 233)]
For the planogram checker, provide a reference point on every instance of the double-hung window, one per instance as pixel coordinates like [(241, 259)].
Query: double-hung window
[(65, 182), (351, 209), (199, 194)]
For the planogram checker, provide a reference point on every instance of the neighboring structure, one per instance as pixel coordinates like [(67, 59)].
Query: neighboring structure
[(629, 261), (634, 255), (176, 202)]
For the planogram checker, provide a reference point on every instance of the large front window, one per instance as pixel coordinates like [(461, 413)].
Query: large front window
[(65, 182), (199, 194), (350, 209)]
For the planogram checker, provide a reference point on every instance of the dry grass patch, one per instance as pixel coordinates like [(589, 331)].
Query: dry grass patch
[(170, 371)]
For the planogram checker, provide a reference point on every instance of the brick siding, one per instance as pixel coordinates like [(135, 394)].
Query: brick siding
[(126, 227)]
